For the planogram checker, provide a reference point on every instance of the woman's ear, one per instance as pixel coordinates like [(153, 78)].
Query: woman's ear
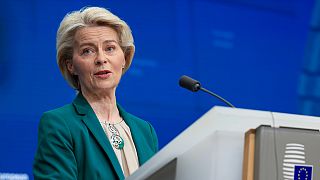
[(70, 66), (124, 63)]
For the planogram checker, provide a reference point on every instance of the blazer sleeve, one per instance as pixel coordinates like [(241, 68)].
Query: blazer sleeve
[(54, 158)]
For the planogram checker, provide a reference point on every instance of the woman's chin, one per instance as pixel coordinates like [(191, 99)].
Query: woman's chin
[(106, 86)]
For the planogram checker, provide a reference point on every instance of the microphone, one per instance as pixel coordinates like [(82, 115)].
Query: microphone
[(194, 86)]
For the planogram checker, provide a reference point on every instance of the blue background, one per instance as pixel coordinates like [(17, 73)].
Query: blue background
[(258, 54)]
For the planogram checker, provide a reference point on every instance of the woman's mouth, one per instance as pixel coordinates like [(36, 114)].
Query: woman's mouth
[(102, 74)]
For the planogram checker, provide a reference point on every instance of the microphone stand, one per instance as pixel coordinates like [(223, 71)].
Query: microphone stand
[(194, 85), (217, 96)]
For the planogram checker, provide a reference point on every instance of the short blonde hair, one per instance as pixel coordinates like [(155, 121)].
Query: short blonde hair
[(90, 16)]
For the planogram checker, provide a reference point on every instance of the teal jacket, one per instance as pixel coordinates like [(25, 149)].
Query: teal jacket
[(73, 145)]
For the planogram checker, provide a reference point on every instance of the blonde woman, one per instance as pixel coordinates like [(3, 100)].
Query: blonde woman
[(93, 137)]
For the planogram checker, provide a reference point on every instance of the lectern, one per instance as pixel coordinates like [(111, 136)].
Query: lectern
[(213, 147)]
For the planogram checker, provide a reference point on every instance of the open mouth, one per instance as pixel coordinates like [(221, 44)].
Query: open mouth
[(103, 73)]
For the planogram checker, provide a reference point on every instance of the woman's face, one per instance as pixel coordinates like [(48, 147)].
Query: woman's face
[(98, 59)]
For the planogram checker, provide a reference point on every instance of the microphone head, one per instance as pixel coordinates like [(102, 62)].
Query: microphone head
[(189, 83)]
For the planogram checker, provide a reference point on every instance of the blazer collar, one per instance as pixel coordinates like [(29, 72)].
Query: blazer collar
[(91, 121), (81, 104), (136, 134)]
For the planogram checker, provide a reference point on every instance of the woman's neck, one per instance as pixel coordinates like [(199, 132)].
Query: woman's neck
[(104, 106)]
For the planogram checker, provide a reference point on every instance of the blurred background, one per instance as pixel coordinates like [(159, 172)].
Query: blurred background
[(258, 54)]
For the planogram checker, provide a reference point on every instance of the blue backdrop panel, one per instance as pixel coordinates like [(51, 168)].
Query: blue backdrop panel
[(309, 89), (251, 51)]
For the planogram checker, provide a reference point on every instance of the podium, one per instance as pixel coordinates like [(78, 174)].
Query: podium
[(213, 146)]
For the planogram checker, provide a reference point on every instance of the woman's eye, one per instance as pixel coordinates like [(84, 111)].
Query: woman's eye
[(87, 52), (110, 48)]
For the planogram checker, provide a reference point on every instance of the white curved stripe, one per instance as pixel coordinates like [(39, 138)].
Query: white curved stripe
[(294, 152), (294, 161), (294, 156), (288, 177), (288, 165), (288, 169), (295, 144), (295, 148), (288, 173)]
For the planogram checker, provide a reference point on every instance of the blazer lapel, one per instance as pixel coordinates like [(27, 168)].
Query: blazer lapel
[(137, 136), (92, 123)]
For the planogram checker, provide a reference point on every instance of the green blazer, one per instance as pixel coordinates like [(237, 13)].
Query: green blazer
[(73, 145)]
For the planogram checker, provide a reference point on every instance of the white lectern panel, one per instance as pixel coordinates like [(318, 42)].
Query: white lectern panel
[(212, 147)]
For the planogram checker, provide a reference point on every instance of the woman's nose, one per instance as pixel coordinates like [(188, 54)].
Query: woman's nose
[(101, 58)]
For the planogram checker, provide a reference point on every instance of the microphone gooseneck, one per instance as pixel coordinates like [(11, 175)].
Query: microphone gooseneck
[(194, 86)]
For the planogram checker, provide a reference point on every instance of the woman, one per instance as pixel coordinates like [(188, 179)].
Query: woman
[(94, 137)]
